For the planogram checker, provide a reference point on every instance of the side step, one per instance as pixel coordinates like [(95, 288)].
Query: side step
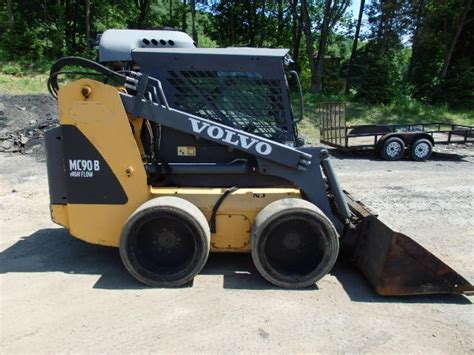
[(394, 263)]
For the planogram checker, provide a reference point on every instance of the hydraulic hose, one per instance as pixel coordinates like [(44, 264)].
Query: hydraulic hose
[(100, 70)]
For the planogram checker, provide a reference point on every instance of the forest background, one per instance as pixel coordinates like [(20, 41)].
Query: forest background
[(390, 60)]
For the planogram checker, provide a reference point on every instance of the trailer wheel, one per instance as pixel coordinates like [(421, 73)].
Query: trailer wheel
[(421, 150), (393, 149), (165, 242), (293, 243)]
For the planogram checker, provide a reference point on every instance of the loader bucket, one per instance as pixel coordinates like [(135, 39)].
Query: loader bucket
[(394, 263)]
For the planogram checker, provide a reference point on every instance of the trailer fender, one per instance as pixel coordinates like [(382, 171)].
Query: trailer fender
[(382, 140), (417, 136)]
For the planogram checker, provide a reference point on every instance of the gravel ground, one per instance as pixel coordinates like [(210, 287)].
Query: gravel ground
[(23, 121), (58, 294)]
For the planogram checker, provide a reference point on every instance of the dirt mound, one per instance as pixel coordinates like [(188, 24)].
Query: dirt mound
[(23, 121)]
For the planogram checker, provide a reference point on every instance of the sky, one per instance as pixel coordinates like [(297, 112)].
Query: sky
[(355, 7)]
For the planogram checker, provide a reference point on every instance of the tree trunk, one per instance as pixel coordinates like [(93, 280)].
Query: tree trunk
[(447, 58), (419, 14), (184, 24), (323, 40), (253, 20), (354, 47), (261, 25), (316, 82), (296, 33), (171, 13), (193, 20), (280, 23), (306, 26), (143, 7), (11, 18), (88, 24), (76, 29), (333, 10), (296, 47), (68, 28), (232, 30)]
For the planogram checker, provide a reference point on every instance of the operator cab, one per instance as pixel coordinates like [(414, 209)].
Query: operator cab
[(245, 88)]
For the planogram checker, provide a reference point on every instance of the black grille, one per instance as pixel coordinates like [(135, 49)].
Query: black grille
[(240, 99)]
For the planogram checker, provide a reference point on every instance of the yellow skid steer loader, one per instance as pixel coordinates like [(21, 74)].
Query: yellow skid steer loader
[(173, 151)]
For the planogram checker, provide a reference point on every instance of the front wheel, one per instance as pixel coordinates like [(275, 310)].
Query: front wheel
[(421, 150), (293, 243)]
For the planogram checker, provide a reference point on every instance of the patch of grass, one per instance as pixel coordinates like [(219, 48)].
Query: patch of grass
[(402, 111), (25, 68), (309, 128), (21, 78), (406, 111), (23, 85)]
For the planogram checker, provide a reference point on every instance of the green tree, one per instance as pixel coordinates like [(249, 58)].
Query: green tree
[(381, 79), (382, 58), (443, 52)]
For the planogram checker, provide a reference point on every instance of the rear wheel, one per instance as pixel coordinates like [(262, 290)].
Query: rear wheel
[(392, 149), (165, 242), (421, 150), (293, 243)]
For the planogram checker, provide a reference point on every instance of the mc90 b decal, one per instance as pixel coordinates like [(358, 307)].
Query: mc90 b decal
[(89, 179), (83, 167)]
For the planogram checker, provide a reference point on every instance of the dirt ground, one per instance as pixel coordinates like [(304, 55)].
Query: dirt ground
[(58, 294), (23, 121)]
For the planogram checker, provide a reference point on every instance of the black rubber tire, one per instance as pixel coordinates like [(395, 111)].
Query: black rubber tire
[(276, 241), (165, 242), (421, 149), (392, 149)]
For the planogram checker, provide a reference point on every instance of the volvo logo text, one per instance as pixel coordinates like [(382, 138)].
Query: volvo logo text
[(230, 137)]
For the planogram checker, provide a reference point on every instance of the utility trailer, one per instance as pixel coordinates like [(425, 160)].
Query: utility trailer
[(390, 141)]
